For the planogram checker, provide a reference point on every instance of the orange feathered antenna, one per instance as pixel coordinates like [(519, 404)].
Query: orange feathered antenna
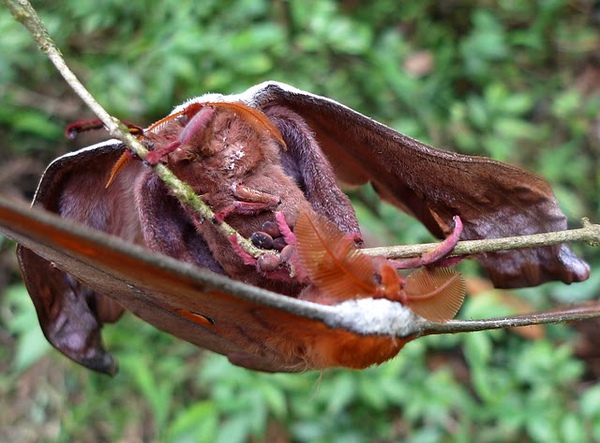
[(171, 117), (331, 260), (334, 265), (255, 118), (435, 293), (122, 161)]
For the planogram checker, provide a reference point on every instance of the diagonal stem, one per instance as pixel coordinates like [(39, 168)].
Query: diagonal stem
[(26, 15)]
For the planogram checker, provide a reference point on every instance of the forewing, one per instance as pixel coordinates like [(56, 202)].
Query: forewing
[(493, 199)]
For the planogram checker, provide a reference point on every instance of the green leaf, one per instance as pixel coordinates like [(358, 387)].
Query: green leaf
[(198, 423), (20, 320)]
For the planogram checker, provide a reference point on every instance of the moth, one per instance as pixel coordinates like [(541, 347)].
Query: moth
[(268, 161)]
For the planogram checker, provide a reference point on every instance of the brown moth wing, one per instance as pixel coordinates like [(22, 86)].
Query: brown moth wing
[(136, 206), (304, 161), (74, 186), (144, 287), (263, 332), (71, 314), (493, 199)]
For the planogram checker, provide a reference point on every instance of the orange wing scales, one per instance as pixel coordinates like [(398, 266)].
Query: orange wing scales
[(195, 317)]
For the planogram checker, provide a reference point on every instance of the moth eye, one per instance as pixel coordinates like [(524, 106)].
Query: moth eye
[(268, 262), (279, 243), (189, 157), (271, 228)]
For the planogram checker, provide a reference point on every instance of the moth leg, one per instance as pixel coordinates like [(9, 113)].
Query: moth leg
[(154, 157), (253, 199), (284, 228), (276, 266), (193, 131), (249, 202), (241, 252), (437, 255)]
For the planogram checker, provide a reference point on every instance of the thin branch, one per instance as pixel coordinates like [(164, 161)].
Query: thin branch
[(26, 15), (590, 234), (578, 312)]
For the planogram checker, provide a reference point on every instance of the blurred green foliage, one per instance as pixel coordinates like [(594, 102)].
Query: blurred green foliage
[(514, 80)]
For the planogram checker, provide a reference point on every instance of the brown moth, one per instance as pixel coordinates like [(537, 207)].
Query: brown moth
[(271, 156)]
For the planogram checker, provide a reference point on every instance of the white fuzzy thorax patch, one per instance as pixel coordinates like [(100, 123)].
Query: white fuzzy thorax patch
[(232, 159), (375, 316)]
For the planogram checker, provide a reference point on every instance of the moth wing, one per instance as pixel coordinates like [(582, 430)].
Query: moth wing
[(493, 199), (71, 314), (74, 187), (182, 299)]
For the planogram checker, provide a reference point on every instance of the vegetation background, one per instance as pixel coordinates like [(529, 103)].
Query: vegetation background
[(515, 80)]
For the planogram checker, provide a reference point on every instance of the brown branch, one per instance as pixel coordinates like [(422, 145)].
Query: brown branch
[(589, 233), (578, 312)]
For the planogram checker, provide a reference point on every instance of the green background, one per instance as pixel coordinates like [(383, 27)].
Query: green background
[(518, 81)]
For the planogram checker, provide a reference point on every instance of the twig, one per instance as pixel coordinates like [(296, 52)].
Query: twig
[(590, 233), (578, 312), (26, 15)]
